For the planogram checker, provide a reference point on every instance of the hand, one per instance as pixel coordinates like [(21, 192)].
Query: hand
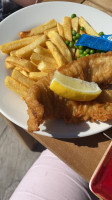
[(25, 2)]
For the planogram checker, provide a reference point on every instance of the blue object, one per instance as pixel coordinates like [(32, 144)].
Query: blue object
[(107, 37), (95, 42)]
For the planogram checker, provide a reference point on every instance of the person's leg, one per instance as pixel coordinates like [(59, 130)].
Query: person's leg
[(51, 179)]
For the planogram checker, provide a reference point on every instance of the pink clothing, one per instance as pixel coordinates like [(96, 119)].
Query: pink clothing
[(51, 179)]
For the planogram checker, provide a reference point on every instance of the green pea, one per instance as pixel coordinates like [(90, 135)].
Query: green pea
[(73, 15), (76, 41), (74, 38), (101, 33), (81, 51), (82, 28), (67, 42), (81, 55), (71, 44), (92, 51), (78, 35), (85, 53), (102, 52), (74, 32), (88, 51), (81, 47), (76, 46)]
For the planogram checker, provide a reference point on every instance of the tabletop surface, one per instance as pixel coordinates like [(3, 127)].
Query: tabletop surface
[(84, 154)]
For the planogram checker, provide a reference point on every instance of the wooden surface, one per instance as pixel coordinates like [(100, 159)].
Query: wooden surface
[(105, 4), (83, 155)]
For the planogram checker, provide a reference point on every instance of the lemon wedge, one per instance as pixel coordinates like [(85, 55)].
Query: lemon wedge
[(73, 88)]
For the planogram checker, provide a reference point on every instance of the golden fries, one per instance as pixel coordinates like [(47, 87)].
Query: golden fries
[(40, 29), (22, 63), (27, 50), (88, 29), (60, 60), (23, 72), (37, 58), (77, 55), (41, 51), (17, 44), (16, 86), (58, 41), (67, 27), (9, 65), (18, 76), (73, 51), (60, 30), (44, 66), (13, 53), (51, 29), (37, 75), (75, 23)]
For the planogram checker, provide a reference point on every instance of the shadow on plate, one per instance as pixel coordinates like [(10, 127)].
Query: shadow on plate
[(58, 129), (67, 133), (91, 141)]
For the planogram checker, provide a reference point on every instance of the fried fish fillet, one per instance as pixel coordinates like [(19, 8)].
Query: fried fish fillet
[(43, 104), (94, 68)]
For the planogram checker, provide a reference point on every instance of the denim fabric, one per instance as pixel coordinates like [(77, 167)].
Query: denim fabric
[(0, 11), (12, 7)]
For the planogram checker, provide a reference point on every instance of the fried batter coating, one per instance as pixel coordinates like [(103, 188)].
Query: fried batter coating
[(47, 105), (43, 104), (94, 68)]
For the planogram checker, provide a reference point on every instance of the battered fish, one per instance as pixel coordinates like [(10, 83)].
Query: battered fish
[(43, 104), (94, 68)]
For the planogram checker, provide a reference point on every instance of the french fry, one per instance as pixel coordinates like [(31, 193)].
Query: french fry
[(9, 65), (28, 50), (44, 66), (60, 30), (17, 44), (16, 86), (88, 29), (37, 58), (13, 53), (35, 76), (22, 71), (43, 51), (38, 30), (77, 53), (18, 76), (22, 63), (67, 27), (59, 58), (58, 41), (18, 68), (73, 50), (51, 29), (75, 23)]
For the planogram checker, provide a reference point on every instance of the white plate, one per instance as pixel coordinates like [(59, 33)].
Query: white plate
[(11, 106)]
